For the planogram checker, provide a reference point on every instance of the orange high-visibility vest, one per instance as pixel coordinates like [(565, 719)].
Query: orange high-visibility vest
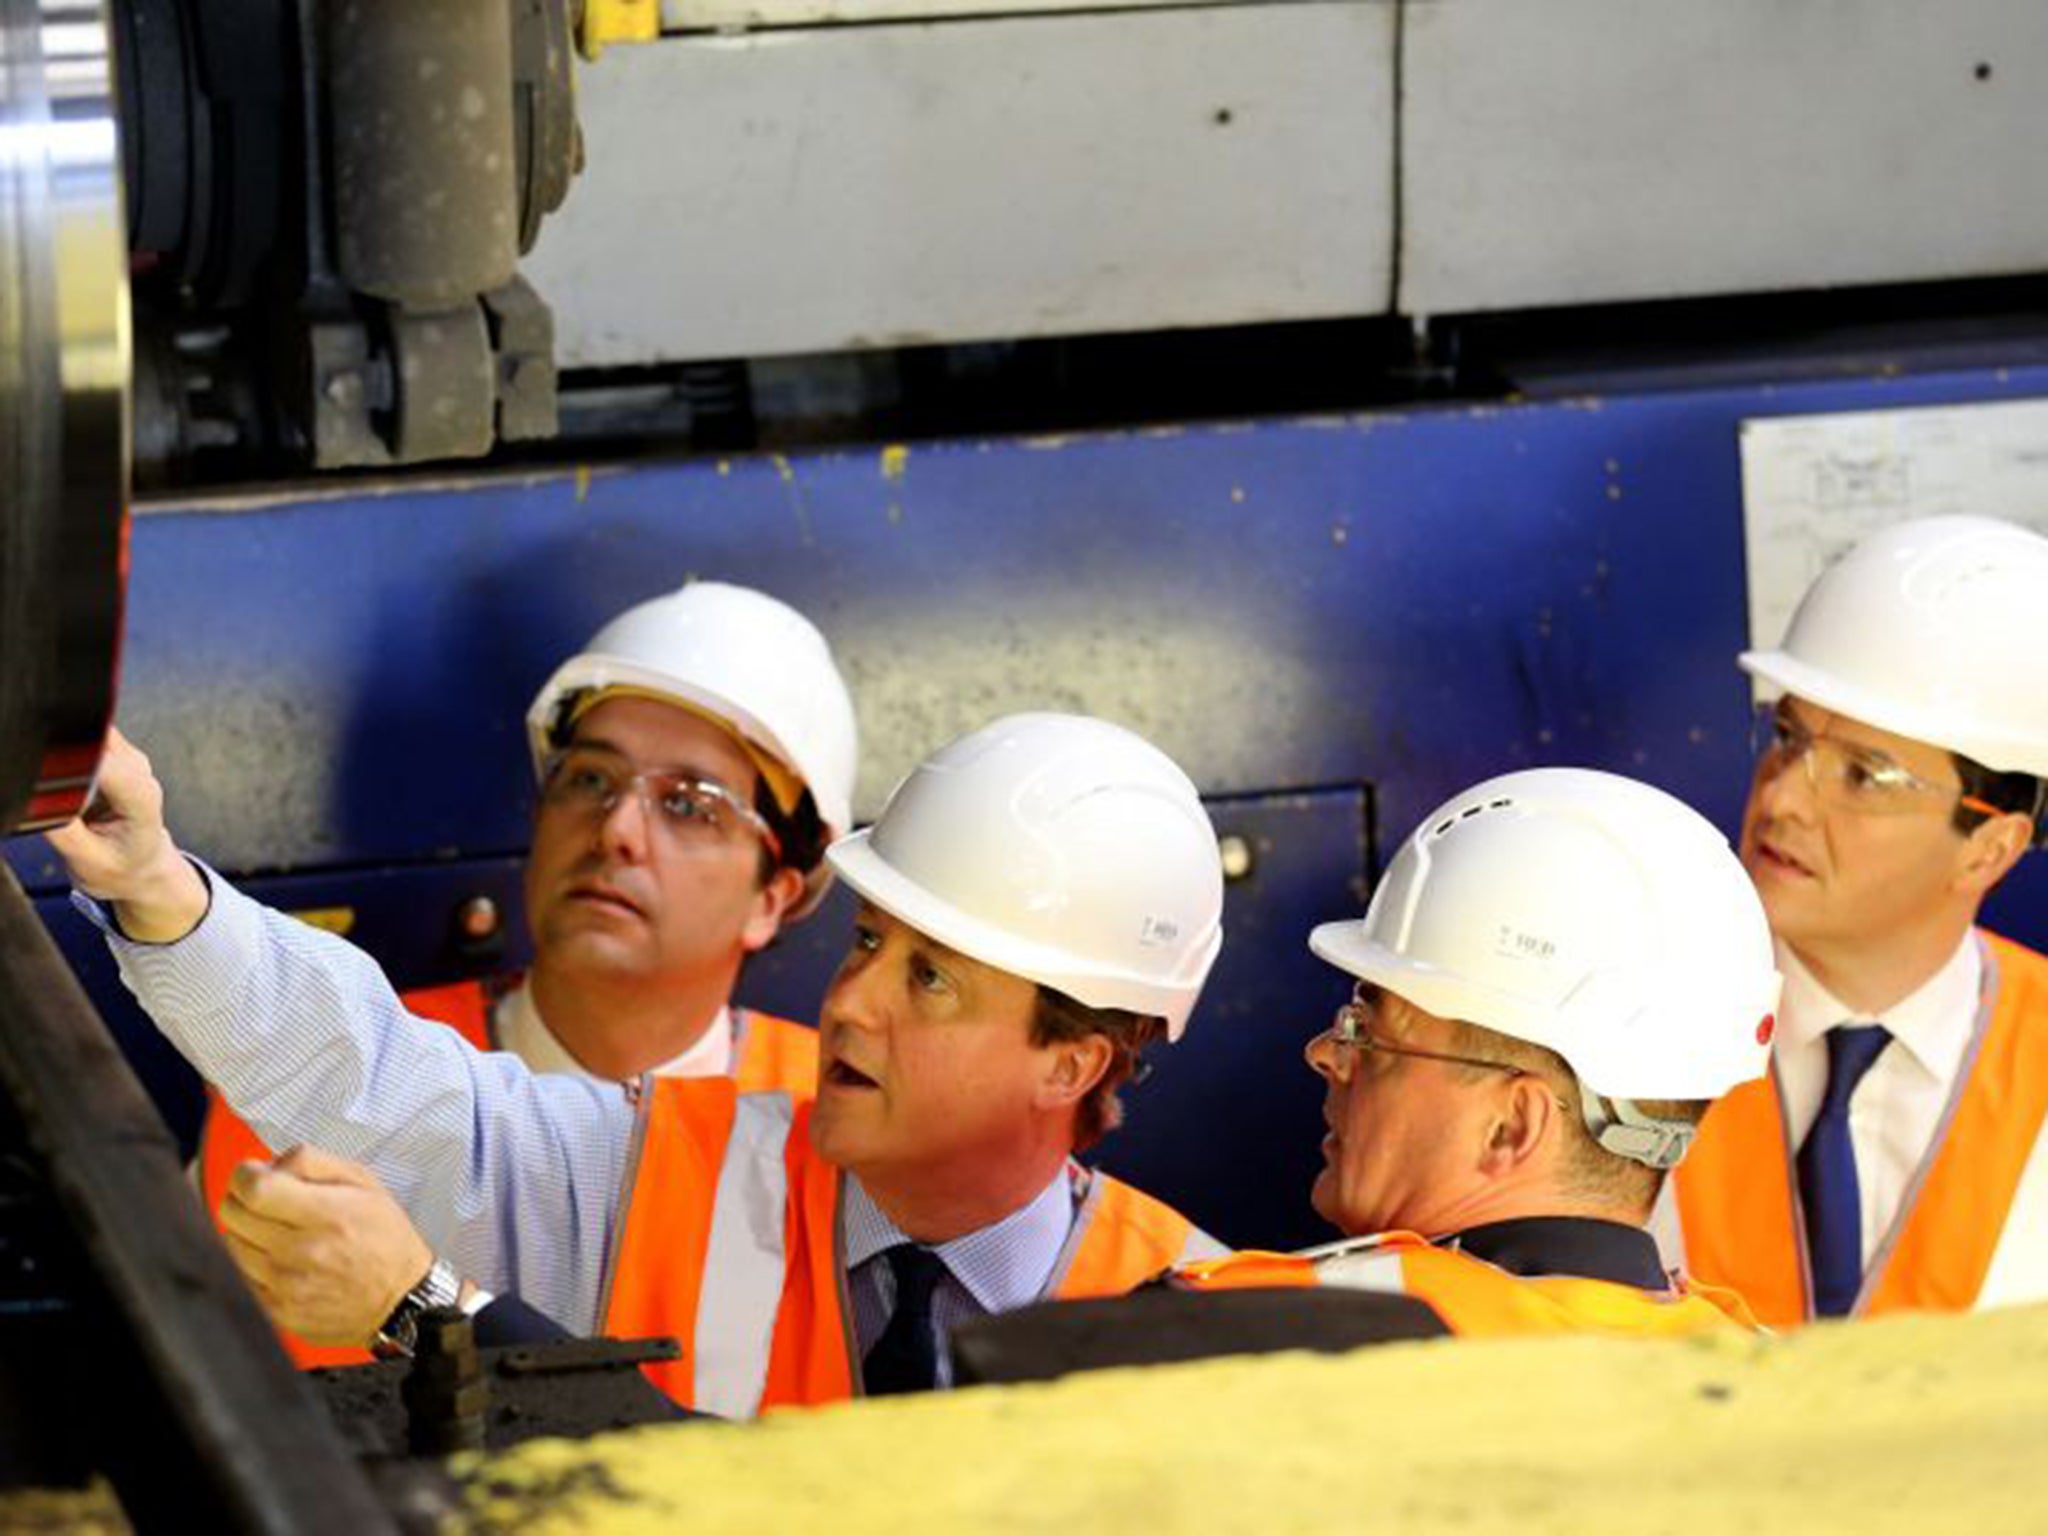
[(1477, 1299), (729, 1243), (772, 1055), (769, 1054), (1738, 1188)]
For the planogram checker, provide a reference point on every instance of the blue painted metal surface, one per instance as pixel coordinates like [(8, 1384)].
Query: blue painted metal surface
[(1410, 601), (1229, 1126)]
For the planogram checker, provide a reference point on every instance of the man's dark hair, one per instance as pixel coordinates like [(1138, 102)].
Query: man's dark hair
[(801, 833), (1059, 1017), (2019, 792)]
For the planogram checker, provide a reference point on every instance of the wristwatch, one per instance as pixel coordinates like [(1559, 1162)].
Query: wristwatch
[(439, 1287)]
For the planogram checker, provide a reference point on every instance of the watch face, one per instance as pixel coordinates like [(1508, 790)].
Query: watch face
[(400, 1333)]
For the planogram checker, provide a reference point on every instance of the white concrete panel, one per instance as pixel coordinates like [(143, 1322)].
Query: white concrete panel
[(801, 191), (1594, 150)]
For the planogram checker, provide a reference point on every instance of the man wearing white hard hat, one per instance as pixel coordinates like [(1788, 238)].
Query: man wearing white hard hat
[(694, 759), (1040, 900), (1559, 972), (1895, 1157)]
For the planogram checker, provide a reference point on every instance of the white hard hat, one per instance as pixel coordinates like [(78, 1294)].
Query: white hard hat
[(1059, 848), (756, 665), (1932, 629), (1584, 912)]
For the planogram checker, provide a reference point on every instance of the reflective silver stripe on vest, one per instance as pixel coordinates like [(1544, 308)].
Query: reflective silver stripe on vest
[(1358, 1264), (1199, 1246), (640, 1099), (2018, 1271), (1881, 1256), (745, 1259), (1087, 1187)]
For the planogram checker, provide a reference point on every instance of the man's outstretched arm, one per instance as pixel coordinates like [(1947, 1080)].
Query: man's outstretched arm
[(512, 1177)]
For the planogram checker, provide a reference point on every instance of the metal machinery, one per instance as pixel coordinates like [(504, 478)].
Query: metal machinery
[(326, 205), (324, 208), (1346, 393)]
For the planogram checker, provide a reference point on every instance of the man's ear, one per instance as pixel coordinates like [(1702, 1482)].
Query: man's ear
[(772, 903), (1990, 850), (1076, 1067), (1525, 1115)]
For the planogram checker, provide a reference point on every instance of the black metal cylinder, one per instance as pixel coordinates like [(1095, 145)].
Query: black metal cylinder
[(419, 125), (211, 153)]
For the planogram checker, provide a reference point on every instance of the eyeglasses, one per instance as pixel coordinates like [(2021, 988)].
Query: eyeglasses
[(1349, 1027), (582, 781), (1848, 777)]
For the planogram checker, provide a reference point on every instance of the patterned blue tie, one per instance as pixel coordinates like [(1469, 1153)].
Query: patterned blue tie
[(1827, 1173), (906, 1357)]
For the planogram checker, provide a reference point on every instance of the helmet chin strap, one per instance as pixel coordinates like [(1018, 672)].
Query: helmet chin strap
[(1619, 1127)]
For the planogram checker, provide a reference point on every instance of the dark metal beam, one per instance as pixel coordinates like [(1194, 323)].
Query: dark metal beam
[(206, 1424)]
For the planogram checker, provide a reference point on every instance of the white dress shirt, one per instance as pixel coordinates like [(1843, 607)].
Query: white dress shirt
[(1899, 1105), (516, 1026)]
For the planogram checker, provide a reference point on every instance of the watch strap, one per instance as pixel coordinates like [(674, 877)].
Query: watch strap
[(439, 1287)]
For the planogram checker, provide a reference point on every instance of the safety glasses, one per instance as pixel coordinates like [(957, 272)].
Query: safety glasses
[(1351, 1027), (585, 781), (1845, 776)]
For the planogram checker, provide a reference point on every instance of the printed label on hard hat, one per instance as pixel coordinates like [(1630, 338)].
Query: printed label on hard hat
[(1154, 931), (1517, 945)]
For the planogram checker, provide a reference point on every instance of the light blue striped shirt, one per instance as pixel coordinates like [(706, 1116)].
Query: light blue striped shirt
[(993, 1269), (515, 1178)]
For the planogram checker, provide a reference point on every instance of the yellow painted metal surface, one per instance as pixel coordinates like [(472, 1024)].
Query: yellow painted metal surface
[(1909, 1425), (616, 21), (341, 920), (89, 1511)]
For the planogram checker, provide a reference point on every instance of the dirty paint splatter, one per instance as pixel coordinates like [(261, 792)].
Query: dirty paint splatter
[(786, 473)]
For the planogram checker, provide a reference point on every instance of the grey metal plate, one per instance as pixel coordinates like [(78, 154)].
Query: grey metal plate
[(1601, 150), (893, 184)]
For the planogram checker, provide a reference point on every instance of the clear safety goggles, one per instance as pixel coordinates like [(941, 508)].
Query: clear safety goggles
[(588, 781), (1849, 777)]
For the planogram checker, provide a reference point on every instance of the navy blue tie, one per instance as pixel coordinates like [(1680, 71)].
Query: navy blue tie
[(1827, 1173), (906, 1358)]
